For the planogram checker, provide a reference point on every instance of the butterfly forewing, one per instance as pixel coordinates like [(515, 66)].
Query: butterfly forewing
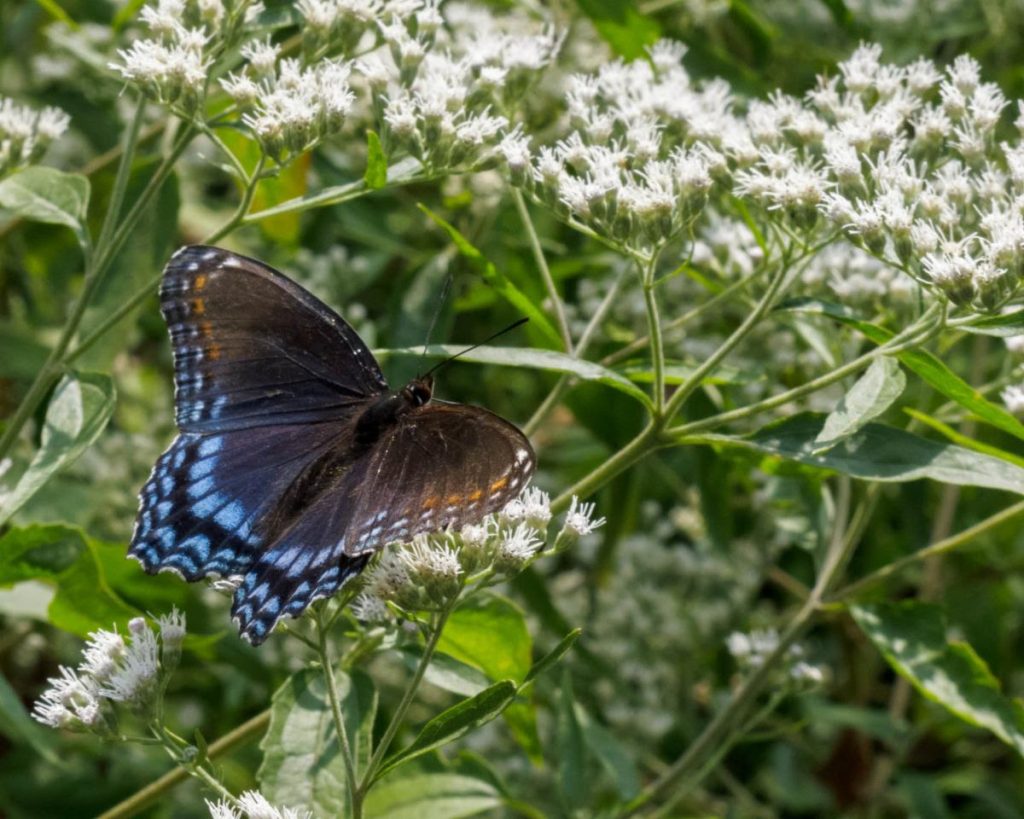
[(252, 348)]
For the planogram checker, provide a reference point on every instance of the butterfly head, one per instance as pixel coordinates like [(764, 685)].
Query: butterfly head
[(419, 391)]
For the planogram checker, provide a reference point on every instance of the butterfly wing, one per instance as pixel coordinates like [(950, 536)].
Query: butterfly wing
[(441, 465), (266, 379), (253, 348)]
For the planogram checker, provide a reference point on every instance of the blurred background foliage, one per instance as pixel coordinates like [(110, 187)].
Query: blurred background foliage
[(695, 540)]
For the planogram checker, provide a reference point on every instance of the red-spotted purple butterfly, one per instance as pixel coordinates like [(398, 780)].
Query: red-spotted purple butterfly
[(295, 461)]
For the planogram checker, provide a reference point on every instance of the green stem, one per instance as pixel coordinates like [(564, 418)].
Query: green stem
[(243, 206), (940, 547), (727, 723), (154, 791), (407, 698), (654, 333), (643, 444), (562, 385), (354, 795), (123, 174), (640, 343), (175, 746), (917, 333), (688, 387), (545, 272), (95, 268), (401, 173)]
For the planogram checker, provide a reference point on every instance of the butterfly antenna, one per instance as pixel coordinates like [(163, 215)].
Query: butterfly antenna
[(445, 290), (450, 359)]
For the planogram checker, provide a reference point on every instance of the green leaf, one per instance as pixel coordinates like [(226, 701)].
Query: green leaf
[(64, 557), (611, 754), (553, 656), (78, 411), (447, 673), (501, 284), (960, 439), (533, 359), (912, 638), (48, 195), (489, 632), (452, 723), (302, 762), (572, 778), (873, 394), (923, 363), (622, 26), (1004, 326), (879, 453), (431, 796), (376, 176), (17, 725)]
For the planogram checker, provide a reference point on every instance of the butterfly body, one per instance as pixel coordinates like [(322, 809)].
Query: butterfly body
[(295, 461)]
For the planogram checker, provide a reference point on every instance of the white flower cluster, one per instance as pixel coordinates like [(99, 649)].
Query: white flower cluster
[(253, 805), (645, 149), (25, 133), (172, 66), (290, 108), (112, 670), (433, 568), (904, 161), (449, 104), (751, 650)]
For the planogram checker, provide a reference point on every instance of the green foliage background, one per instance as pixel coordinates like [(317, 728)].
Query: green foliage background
[(655, 598)]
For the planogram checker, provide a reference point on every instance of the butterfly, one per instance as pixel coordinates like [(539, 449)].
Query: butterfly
[(295, 461)]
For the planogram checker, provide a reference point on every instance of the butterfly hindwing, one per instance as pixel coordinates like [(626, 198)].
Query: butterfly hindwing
[(252, 348), (441, 465), (201, 507)]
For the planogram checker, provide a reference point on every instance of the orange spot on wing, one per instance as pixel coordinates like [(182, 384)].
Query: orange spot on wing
[(431, 502), (213, 351), (452, 499), (201, 281), (205, 329), (198, 306), (475, 496), (501, 484)]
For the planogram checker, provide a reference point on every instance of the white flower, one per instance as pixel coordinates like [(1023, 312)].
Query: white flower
[(253, 805), (435, 566), (1013, 397), (516, 547), (369, 608), (102, 655), (262, 56), (579, 520), (70, 702), (134, 680), (172, 628)]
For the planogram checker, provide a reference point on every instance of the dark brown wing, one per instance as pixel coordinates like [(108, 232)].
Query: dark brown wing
[(253, 348), (441, 465)]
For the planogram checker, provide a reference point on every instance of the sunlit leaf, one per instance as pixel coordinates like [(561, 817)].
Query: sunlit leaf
[(78, 411), (431, 796), (47, 195), (872, 394), (376, 175), (912, 638)]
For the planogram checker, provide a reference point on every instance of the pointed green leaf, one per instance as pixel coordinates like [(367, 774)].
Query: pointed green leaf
[(912, 638), (572, 772), (78, 411), (47, 195), (501, 284), (489, 632), (923, 363), (17, 725), (878, 453), (431, 796), (553, 656), (376, 175), (451, 724), (1004, 326), (614, 758), (302, 762), (872, 394), (534, 359)]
